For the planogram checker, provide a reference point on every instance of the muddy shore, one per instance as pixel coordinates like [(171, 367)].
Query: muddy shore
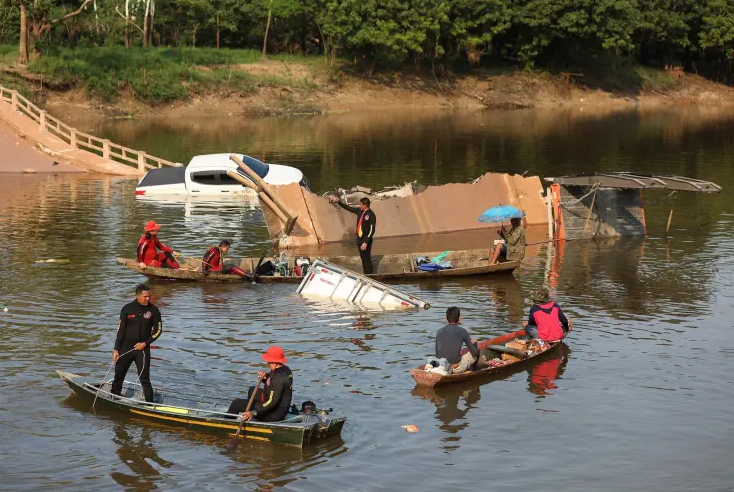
[(312, 91)]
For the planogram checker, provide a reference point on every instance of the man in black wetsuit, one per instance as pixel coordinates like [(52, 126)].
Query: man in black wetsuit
[(140, 325), (274, 399), (366, 226)]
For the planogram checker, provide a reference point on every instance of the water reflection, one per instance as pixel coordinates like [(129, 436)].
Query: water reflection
[(136, 452), (543, 375), (453, 405)]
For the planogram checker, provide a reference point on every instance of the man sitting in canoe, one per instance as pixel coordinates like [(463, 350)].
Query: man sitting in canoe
[(546, 321), (213, 260), (449, 341), (148, 247), (514, 246), (274, 398)]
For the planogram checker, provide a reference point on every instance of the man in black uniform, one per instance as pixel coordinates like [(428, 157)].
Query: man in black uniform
[(366, 226), (274, 399), (140, 325)]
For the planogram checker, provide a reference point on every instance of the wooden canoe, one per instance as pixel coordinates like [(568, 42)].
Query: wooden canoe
[(392, 267), (204, 414), (431, 379)]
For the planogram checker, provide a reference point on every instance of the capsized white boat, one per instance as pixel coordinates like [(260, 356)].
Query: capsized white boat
[(325, 280)]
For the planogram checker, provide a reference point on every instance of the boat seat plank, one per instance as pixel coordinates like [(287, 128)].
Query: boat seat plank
[(507, 350)]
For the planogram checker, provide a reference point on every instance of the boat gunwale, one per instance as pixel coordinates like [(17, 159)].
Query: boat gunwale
[(194, 419), (198, 276), (420, 375)]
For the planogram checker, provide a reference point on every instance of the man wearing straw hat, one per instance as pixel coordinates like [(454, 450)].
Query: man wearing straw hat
[(275, 396), (148, 247), (546, 321)]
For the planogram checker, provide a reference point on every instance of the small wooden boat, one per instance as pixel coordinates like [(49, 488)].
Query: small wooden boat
[(491, 349), (393, 267), (204, 414)]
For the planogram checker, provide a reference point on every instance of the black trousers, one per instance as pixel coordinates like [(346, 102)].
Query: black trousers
[(142, 363), (366, 257), (239, 405)]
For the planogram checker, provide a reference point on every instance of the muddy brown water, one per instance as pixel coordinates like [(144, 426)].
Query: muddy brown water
[(639, 399)]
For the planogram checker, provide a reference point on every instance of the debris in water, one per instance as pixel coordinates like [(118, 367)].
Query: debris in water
[(52, 261), (326, 383), (5, 310), (410, 428)]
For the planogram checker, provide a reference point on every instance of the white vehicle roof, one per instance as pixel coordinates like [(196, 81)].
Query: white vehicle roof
[(272, 173)]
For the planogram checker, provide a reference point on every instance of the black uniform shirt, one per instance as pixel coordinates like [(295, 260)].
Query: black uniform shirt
[(366, 223), (276, 398), (138, 324)]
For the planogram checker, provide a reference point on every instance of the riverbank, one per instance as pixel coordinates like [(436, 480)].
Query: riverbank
[(205, 82)]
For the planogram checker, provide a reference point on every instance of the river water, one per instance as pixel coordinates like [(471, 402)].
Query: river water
[(638, 399)]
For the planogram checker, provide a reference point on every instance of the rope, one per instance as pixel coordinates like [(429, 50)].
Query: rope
[(110, 369), (577, 200), (662, 199)]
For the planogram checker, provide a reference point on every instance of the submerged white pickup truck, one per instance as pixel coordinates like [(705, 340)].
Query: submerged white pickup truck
[(206, 175)]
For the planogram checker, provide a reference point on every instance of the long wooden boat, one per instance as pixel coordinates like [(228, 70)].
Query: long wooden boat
[(392, 267), (296, 429), (490, 349)]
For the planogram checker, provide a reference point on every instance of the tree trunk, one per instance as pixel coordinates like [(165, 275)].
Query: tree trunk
[(218, 16), (196, 26), (152, 16), (96, 18), (267, 29), (23, 56), (127, 23), (145, 23)]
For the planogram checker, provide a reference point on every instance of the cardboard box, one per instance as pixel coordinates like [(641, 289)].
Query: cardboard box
[(517, 344), (510, 357)]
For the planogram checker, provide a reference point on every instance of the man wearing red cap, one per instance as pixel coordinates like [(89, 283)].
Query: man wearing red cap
[(275, 397), (149, 245)]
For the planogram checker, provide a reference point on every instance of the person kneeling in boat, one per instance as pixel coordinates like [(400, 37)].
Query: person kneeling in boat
[(213, 260), (274, 399), (449, 341), (546, 321), (513, 247), (148, 247)]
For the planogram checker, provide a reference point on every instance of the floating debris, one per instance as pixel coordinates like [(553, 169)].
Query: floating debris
[(5, 310), (52, 261), (410, 428)]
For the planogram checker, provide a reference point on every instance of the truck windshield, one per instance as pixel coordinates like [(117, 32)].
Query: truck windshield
[(260, 168)]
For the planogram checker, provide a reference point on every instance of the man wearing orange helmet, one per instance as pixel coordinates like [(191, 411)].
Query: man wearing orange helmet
[(274, 399), (148, 247)]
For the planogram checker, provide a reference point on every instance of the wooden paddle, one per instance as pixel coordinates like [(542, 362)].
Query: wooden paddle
[(236, 440)]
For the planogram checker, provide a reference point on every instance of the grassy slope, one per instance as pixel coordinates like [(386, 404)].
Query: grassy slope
[(156, 75)]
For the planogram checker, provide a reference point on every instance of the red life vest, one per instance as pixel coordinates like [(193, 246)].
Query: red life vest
[(548, 322)]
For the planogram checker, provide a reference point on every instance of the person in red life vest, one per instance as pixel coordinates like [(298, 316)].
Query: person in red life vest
[(366, 226), (546, 321), (213, 260), (274, 399), (148, 246)]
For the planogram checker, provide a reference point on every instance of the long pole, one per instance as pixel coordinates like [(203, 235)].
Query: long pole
[(236, 439)]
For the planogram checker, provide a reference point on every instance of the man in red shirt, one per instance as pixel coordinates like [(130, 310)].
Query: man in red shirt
[(213, 260), (149, 245), (546, 321)]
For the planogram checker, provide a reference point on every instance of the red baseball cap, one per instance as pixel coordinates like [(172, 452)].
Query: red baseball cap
[(275, 354), (151, 226)]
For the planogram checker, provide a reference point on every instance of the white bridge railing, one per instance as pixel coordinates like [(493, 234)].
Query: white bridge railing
[(82, 141)]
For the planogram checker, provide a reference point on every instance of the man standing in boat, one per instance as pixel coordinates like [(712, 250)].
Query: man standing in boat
[(140, 325), (274, 399), (213, 260), (546, 320), (366, 226), (148, 247), (449, 341)]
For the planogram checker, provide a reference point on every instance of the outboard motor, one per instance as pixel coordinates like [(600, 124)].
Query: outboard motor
[(302, 266)]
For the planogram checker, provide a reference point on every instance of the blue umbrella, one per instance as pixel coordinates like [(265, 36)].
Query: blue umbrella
[(501, 213)]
